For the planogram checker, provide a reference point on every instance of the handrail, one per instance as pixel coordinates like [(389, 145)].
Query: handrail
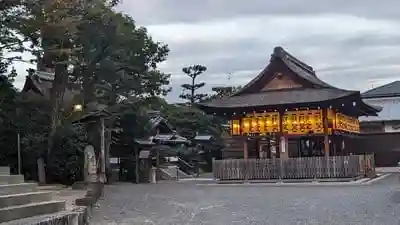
[(186, 163)]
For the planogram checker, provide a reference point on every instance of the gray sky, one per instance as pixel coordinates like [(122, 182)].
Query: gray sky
[(350, 44)]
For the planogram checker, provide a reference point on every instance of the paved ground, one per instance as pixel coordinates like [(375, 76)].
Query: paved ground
[(186, 203)]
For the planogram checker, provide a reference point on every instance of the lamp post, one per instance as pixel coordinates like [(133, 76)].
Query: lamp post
[(103, 177), (19, 145)]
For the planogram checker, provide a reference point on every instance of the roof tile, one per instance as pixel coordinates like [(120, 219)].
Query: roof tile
[(387, 90)]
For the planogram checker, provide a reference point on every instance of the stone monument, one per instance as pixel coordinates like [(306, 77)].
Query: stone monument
[(90, 166)]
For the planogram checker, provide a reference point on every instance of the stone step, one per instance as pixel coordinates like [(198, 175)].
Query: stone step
[(62, 217), (11, 179), (8, 189), (30, 210), (25, 198), (4, 170)]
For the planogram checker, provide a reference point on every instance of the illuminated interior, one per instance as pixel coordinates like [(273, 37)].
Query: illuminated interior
[(299, 122)]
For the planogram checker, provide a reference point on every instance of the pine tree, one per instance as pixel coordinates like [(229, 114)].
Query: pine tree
[(193, 72)]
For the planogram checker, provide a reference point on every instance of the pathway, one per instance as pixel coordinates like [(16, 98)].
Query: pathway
[(188, 203)]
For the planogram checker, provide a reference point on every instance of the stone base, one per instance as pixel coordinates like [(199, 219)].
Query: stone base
[(94, 192), (80, 185)]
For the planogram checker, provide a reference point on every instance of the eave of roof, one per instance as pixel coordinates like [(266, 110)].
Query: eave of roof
[(388, 90), (278, 98)]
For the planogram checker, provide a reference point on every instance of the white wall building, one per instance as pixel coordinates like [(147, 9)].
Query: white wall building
[(388, 120)]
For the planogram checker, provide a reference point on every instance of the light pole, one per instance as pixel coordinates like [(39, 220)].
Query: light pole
[(103, 177), (19, 147)]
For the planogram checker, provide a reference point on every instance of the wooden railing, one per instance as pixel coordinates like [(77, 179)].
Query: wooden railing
[(293, 168)]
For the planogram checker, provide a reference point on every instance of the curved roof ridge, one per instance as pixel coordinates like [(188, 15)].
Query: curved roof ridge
[(279, 51), (298, 67)]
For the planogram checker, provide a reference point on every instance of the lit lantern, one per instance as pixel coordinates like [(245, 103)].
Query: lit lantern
[(235, 127), (261, 127), (246, 125), (254, 125)]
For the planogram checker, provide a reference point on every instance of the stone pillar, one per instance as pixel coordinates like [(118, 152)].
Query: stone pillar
[(41, 171), (245, 150), (284, 147)]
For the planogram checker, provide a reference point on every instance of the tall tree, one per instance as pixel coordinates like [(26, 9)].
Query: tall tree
[(10, 12), (193, 72), (50, 26), (92, 46)]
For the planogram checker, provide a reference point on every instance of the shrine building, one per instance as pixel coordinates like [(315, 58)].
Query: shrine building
[(287, 111)]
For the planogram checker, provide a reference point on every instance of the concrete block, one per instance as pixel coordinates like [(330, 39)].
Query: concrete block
[(11, 179), (4, 170), (30, 210), (25, 198), (8, 189)]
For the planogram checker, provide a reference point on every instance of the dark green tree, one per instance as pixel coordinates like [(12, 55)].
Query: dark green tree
[(193, 72), (12, 75), (220, 92)]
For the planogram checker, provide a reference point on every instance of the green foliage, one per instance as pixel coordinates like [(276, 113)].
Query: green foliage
[(7, 119), (29, 119), (67, 157), (117, 58), (190, 121), (131, 122), (134, 121), (193, 72), (111, 59), (12, 75), (10, 11), (220, 92)]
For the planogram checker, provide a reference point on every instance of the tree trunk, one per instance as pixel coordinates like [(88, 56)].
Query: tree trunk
[(57, 95), (93, 129), (192, 92)]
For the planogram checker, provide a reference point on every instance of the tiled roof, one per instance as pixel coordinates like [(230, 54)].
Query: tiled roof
[(301, 69), (42, 82), (387, 90), (315, 91), (279, 97)]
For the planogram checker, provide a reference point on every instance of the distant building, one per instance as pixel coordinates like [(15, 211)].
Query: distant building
[(388, 120), (38, 86), (381, 134)]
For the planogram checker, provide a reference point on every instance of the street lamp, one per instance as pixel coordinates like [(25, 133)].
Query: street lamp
[(78, 108)]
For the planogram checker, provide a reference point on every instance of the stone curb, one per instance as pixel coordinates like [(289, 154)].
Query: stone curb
[(360, 182)]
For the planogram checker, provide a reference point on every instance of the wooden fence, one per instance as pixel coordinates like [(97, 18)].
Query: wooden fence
[(293, 168)]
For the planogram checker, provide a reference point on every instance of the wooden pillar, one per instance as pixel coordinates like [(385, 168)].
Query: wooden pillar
[(326, 134), (137, 168), (283, 147), (282, 140), (245, 150)]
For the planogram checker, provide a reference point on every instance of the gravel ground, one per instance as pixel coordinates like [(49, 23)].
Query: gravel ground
[(188, 203)]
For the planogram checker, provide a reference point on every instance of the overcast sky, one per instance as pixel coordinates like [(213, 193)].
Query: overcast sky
[(351, 44)]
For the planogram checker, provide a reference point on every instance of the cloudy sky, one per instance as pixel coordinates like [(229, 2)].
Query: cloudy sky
[(351, 44)]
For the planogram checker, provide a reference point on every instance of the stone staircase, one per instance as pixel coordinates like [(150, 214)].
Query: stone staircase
[(172, 173), (20, 201)]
